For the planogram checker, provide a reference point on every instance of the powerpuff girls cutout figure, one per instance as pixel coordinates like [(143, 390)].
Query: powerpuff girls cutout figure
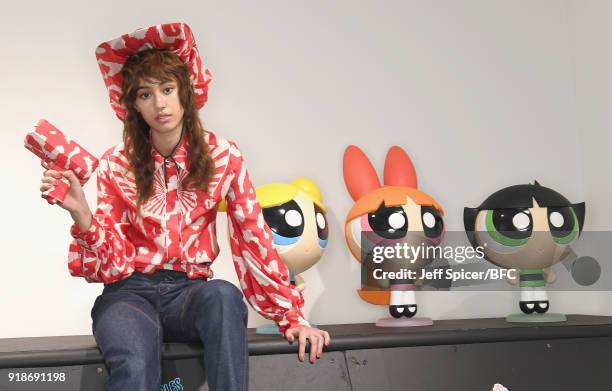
[(297, 218), (296, 215), (395, 211), (528, 228)]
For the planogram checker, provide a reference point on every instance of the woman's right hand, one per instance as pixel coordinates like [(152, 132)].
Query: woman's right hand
[(75, 201)]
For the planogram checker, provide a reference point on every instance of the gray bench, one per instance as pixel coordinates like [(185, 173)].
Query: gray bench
[(468, 354)]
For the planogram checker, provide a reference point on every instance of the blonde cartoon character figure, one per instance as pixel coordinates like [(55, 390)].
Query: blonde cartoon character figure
[(297, 219), (296, 215), (395, 212)]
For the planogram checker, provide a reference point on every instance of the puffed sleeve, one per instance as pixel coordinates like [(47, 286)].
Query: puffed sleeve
[(263, 276), (103, 253)]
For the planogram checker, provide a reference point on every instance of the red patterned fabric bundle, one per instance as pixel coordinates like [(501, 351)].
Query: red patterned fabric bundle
[(59, 153)]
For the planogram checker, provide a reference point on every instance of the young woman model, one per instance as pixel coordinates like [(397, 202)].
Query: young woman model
[(152, 238)]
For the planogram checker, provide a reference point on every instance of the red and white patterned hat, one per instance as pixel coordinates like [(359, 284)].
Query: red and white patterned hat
[(176, 37)]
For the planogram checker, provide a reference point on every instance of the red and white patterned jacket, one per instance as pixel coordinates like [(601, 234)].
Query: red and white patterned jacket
[(176, 229)]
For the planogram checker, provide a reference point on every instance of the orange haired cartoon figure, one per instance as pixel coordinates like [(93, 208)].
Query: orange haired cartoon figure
[(390, 216)]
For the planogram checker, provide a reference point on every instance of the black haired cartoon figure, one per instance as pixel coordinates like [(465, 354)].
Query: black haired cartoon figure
[(528, 228)]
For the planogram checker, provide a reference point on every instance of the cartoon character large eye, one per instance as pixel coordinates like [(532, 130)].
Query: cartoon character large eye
[(389, 222), (432, 222), (509, 227), (563, 224), (322, 229), (286, 222)]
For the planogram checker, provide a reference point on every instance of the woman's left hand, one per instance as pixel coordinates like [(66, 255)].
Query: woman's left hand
[(318, 338)]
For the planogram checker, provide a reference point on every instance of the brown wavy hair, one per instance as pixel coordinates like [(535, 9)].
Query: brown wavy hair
[(164, 66)]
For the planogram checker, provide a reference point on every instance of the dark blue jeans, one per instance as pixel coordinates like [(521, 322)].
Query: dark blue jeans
[(132, 317)]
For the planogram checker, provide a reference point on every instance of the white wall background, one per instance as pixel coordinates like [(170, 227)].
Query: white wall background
[(592, 59), (482, 94)]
